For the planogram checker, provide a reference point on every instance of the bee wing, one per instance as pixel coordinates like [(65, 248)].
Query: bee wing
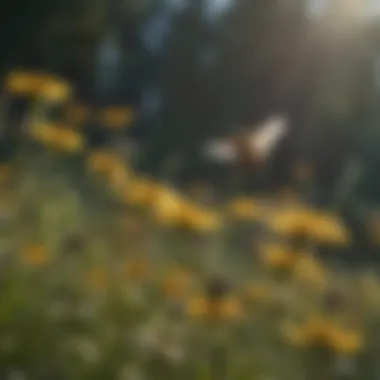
[(222, 151), (264, 140)]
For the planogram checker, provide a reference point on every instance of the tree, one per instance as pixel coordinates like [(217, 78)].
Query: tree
[(186, 109)]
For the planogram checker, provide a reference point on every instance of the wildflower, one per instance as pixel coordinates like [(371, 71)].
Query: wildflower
[(290, 222), (323, 332), (101, 162), (329, 228), (315, 225), (24, 82), (142, 192), (295, 335), (279, 256), (199, 219), (345, 340), (119, 177), (35, 255), (111, 167), (244, 209), (217, 305), (168, 207), (221, 310), (314, 332), (55, 90), (309, 271), (58, 137), (116, 117)]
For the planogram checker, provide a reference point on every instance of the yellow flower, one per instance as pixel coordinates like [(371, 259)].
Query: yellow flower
[(316, 331), (25, 82), (197, 218), (329, 228), (177, 283), (244, 209), (207, 221), (168, 207), (347, 341), (315, 225), (322, 332), (197, 307), (214, 310), (295, 335), (290, 222), (102, 162), (142, 192), (58, 137), (309, 271), (35, 256), (279, 256), (55, 90), (119, 177), (116, 117), (111, 167)]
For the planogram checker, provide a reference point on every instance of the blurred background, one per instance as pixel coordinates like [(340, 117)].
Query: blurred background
[(129, 250), (196, 69)]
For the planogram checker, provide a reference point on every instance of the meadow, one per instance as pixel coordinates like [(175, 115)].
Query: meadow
[(108, 274)]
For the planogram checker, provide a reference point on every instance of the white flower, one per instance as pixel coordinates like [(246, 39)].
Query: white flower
[(17, 375), (173, 352), (130, 373), (86, 349)]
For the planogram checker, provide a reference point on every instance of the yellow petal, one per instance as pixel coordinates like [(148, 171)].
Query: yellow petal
[(55, 90), (345, 341), (196, 307)]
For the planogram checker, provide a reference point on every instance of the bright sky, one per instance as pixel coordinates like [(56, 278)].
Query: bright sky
[(214, 7), (373, 6), (366, 8)]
